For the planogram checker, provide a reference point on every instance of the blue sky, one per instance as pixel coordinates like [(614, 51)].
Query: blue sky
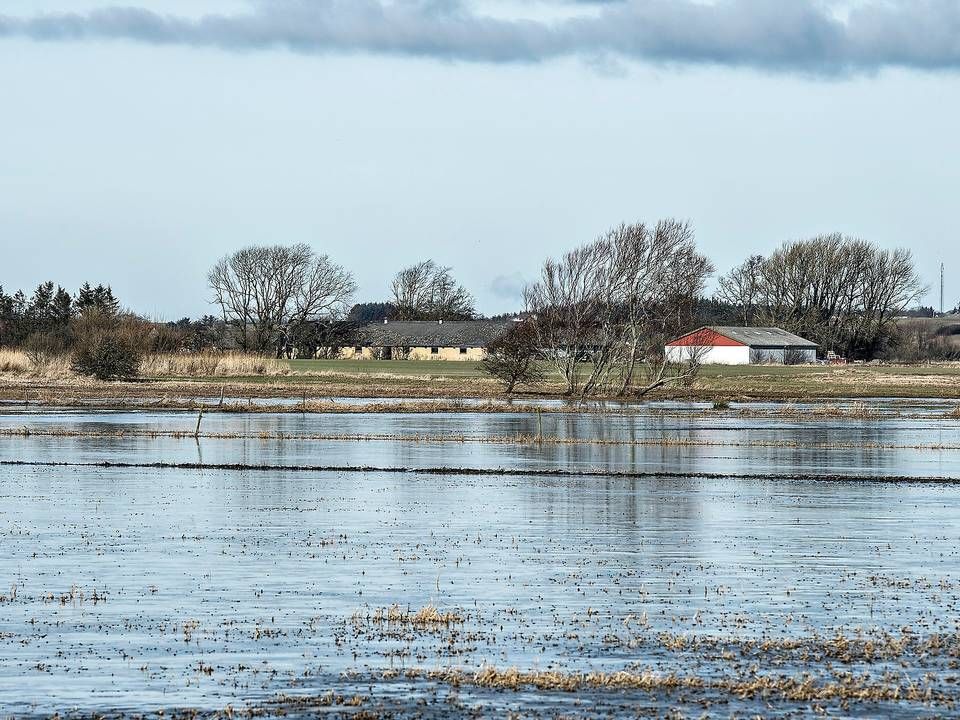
[(484, 135)]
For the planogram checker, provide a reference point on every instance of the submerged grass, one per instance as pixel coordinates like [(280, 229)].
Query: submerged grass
[(457, 438), (806, 688), (461, 471), (811, 411), (427, 616)]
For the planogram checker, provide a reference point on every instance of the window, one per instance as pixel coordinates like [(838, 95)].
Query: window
[(463, 351), (434, 350), (358, 349)]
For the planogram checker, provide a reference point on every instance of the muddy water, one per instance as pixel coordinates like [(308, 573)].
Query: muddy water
[(127, 590)]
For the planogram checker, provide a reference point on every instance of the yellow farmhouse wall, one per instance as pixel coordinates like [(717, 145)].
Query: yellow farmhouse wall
[(417, 353)]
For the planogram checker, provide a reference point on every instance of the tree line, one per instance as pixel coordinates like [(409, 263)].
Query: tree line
[(277, 298), (608, 306), (602, 313), (843, 293), (49, 310)]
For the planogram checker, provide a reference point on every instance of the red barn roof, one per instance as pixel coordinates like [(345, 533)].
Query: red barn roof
[(761, 337), (705, 337)]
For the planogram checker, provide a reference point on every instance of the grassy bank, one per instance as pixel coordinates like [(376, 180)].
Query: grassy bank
[(240, 376)]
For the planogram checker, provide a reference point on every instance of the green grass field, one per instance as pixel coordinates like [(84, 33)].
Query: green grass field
[(758, 381)]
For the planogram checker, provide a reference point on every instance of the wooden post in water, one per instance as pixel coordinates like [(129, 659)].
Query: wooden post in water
[(222, 389), (196, 433), (539, 426)]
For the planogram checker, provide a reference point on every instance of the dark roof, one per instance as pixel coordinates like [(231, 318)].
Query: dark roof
[(430, 333), (763, 336)]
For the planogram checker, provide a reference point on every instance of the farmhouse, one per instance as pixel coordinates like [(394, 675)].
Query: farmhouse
[(716, 345), (426, 340)]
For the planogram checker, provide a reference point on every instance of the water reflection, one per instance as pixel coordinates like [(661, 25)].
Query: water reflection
[(128, 582), (920, 447)]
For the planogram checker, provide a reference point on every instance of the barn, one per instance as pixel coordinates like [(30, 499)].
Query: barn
[(715, 345)]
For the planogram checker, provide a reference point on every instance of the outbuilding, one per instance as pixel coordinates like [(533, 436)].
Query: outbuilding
[(426, 340), (717, 345)]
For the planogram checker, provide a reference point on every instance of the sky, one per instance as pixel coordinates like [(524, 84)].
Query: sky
[(141, 142)]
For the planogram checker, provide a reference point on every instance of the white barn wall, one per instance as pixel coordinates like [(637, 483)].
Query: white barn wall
[(711, 355)]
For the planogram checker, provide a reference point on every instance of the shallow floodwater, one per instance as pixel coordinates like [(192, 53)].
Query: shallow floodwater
[(139, 589), (690, 440)]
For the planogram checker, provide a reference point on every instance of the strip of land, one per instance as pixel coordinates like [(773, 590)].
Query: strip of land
[(319, 379), (448, 471)]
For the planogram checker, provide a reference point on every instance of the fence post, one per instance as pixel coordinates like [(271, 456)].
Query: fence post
[(196, 433)]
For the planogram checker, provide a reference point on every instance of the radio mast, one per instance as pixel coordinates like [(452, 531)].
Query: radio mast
[(941, 288)]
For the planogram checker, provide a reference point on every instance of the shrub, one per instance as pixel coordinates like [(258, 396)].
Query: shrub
[(513, 358), (108, 347), (106, 358), (43, 350)]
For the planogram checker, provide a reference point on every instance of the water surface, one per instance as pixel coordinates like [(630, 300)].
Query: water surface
[(128, 590)]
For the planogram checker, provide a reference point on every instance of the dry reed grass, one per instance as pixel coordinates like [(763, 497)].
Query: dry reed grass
[(17, 362), (14, 361), (193, 365), (427, 616), (846, 688), (198, 365)]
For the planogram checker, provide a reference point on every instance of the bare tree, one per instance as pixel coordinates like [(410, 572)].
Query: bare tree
[(266, 292), (566, 306), (513, 358), (842, 292), (427, 291), (741, 288), (663, 369), (665, 275), (611, 304)]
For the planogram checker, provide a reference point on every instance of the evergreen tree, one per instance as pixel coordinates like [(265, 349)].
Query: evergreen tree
[(6, 317), (62, 308), (104, 300), (40, 310), (19, 304), (85, 299), (99, 298)]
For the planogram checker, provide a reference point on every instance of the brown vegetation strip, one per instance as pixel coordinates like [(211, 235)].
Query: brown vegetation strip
[(869, 648), (517, 439), (504, 472), (848, 688)]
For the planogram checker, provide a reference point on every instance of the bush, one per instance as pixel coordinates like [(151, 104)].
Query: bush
[(108, 347), (107, 358), (513, 358), (44, 349)]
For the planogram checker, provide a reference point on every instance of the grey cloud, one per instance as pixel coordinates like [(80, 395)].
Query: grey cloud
[(781, 35), (508, 287)]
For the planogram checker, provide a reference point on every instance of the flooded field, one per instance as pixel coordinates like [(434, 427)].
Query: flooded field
[(667, 560)]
